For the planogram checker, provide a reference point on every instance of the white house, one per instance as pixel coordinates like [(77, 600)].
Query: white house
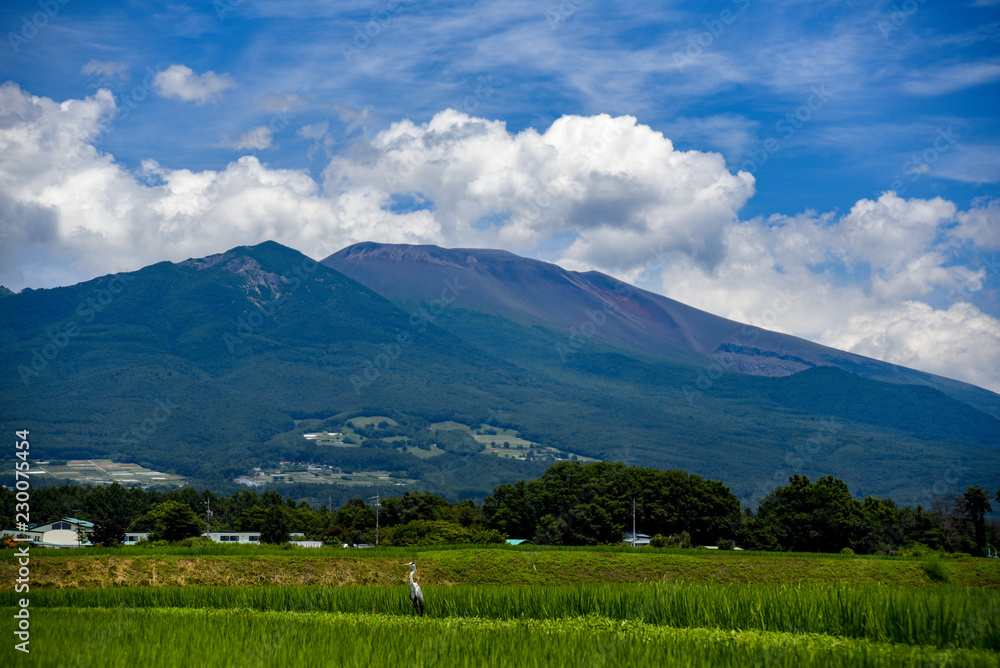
[(66, 532)]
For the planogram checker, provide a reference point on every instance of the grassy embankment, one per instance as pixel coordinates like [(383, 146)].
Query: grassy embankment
[(248, 566)]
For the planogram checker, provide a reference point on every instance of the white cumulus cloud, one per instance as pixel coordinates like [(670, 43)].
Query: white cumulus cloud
[(855, 282), (182, 83)]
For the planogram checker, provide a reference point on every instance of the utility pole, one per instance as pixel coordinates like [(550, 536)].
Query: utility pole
[(208, 517), (377, 506), (79, 529), (633, 521)]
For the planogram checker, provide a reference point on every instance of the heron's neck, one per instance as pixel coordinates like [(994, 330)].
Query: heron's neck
[(414, 570)]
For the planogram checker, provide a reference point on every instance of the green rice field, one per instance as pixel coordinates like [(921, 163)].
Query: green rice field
[(500, 625)]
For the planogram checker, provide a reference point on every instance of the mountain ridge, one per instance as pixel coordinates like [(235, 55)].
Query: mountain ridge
[(260, 344), (616, 312)]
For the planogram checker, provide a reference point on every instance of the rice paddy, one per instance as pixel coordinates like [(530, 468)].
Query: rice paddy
[(247, 638), (590, 624)]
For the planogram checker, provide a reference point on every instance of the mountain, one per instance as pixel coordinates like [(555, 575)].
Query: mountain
[(592, 305), (210, 367)]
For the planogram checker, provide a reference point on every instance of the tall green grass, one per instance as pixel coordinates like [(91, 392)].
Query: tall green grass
[(946, 617), (249, 639)]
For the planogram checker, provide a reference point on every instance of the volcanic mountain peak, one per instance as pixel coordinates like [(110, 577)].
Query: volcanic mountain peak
[(538, 293)]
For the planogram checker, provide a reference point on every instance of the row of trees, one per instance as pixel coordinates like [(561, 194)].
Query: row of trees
[(589, 504), (570, 504), (822, 516)]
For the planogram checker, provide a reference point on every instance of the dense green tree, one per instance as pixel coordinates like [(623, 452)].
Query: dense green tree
[(114, 507), (590, 524), (467, 514), (108, 533), (591, 503), (977, 504), (8, 501), (275, 529), (509, 511), (170, 520), (53, 503), (358, 520), (415, 506), (230, 510), (252, 518), (438, 532), (550, 530), (809, 517), (336, 535), (188, 496), (884, 523)]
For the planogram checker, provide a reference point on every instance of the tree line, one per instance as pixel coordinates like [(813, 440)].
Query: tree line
[(570, 504)]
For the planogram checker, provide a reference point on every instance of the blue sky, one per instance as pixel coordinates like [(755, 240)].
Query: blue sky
[(850, 151)]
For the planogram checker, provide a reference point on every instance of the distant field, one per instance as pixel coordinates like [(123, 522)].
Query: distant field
[(497, 441), (326, 476), (507, 442), (360, 422), (105, 472), (433, 451)]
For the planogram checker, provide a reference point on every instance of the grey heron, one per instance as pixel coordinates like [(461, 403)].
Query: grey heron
[(416, 596)]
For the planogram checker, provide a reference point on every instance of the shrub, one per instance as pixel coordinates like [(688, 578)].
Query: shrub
[(727, 544), (847, 551), (145, 542), (683, 539), (935, 571)]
